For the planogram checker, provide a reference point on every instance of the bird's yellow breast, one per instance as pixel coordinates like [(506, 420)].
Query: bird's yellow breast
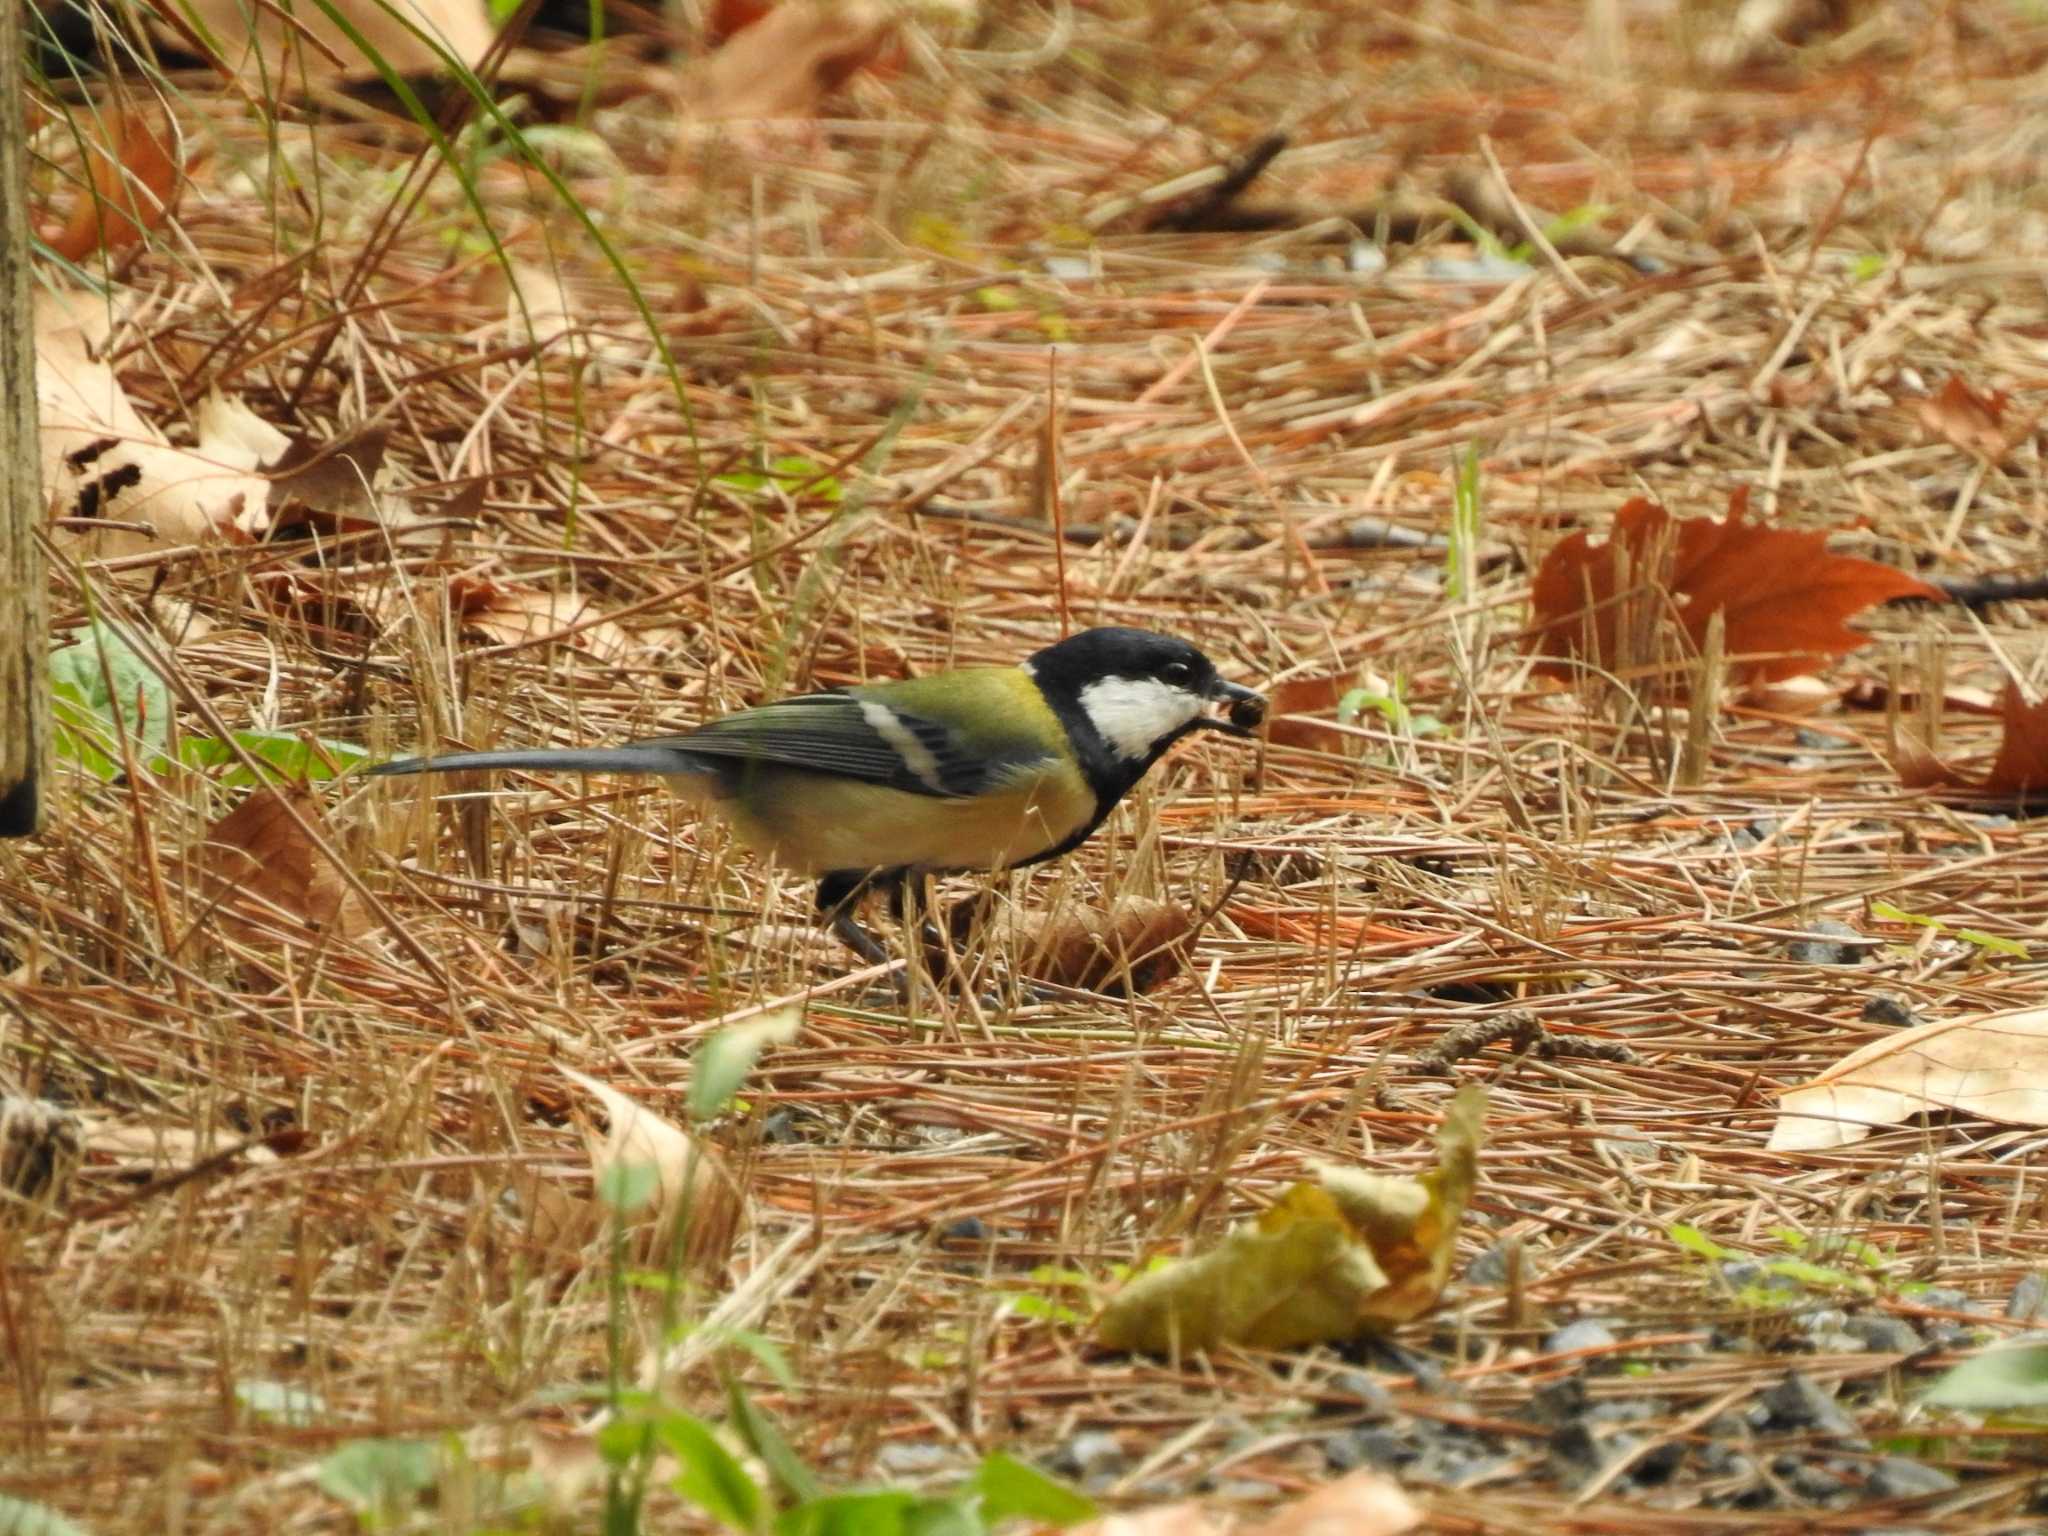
[(813, 823)]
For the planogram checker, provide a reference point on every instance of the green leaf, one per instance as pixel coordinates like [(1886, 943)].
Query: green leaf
[(1892, 914), (82, 735), (765, 1439), (139, 701), (765, 1350), (723, 1061), (790, 472), (1013, 1489), (1693, 1240), (947, 1515), (18, 1517), (622, 1440), (1998, 1380), (883, 1513), (1818, 1275), (292, 758), (1992, 942), (626, 1187), (709, 1475), (378, 1475)]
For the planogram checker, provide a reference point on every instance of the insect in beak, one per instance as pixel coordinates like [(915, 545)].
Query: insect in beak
[(1247, 710)]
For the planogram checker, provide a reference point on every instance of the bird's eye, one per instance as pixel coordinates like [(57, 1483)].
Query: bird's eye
[(1176, 672)]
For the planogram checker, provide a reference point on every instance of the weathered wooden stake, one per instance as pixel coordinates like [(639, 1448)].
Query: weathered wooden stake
[(24, 623)]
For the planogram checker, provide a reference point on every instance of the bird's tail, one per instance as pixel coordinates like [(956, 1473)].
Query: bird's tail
[(658, 760)]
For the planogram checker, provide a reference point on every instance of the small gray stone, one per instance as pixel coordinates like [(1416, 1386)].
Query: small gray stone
[(1797, 1404), (1354, 1448), (1883, 1008), (1490, 1268), (1883, 1335), (1823, 1320), (1810, 1480), (1896, 1477), (2029, 1300), (1366, 1395), (913, 1458), (1820, 948), (1740, 1274), (1088, 1455), (1586, 1333), (1945, 1298)]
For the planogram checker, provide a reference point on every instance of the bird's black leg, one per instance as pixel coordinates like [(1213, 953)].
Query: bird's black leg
[(839, 894)]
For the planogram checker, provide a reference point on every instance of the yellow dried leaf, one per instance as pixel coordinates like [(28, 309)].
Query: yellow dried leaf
[(689, 1176), (1355, 1253)]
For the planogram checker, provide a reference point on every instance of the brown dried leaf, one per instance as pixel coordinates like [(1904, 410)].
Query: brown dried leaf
[(1783, 598), (514, 614), (132, 184), (1971, 421), (1994, 1065), (791, 60), (1186, 1518), (2019, 769), (1363, 1503), (304, 45), (1138, 946), (269, 880), (1292, 705), (332, 486)]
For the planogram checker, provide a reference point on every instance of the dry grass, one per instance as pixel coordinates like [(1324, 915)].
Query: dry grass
[(876, 294)]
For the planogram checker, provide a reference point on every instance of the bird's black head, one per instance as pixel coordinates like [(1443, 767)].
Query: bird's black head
[(1129, 694)]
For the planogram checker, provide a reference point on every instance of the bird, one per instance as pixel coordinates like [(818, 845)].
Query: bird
[(871, 787)]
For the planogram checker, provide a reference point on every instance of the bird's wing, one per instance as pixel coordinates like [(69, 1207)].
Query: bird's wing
[(853, 735)]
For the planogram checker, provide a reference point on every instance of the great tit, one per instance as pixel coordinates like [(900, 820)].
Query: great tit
[(981, 768)]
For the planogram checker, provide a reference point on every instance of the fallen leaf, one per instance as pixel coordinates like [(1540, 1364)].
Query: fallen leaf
[(510, 613), (727, 17), (332, 486), (40, 1145), (268, 880), (1354, 1253), (1971, 421), (2020, 767), (1291, 705), (1872, 693), (790, 61), (1783, 598), (1185, 1518), (102, 460), (1362, 1503), (1994, 1065), (688, 1177), (156, 1149), (1139, 945), (131, 185), (304, 45)]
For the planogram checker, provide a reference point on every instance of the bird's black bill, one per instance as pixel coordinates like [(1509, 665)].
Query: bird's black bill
[(1247, 710)]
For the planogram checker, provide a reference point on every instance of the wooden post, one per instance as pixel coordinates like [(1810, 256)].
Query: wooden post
[(24, 621)]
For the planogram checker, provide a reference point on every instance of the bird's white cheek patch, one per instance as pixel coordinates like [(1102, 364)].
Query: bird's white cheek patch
[(1135, 713)]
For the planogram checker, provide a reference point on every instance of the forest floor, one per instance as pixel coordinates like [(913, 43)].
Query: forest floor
[(334, 1178)]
